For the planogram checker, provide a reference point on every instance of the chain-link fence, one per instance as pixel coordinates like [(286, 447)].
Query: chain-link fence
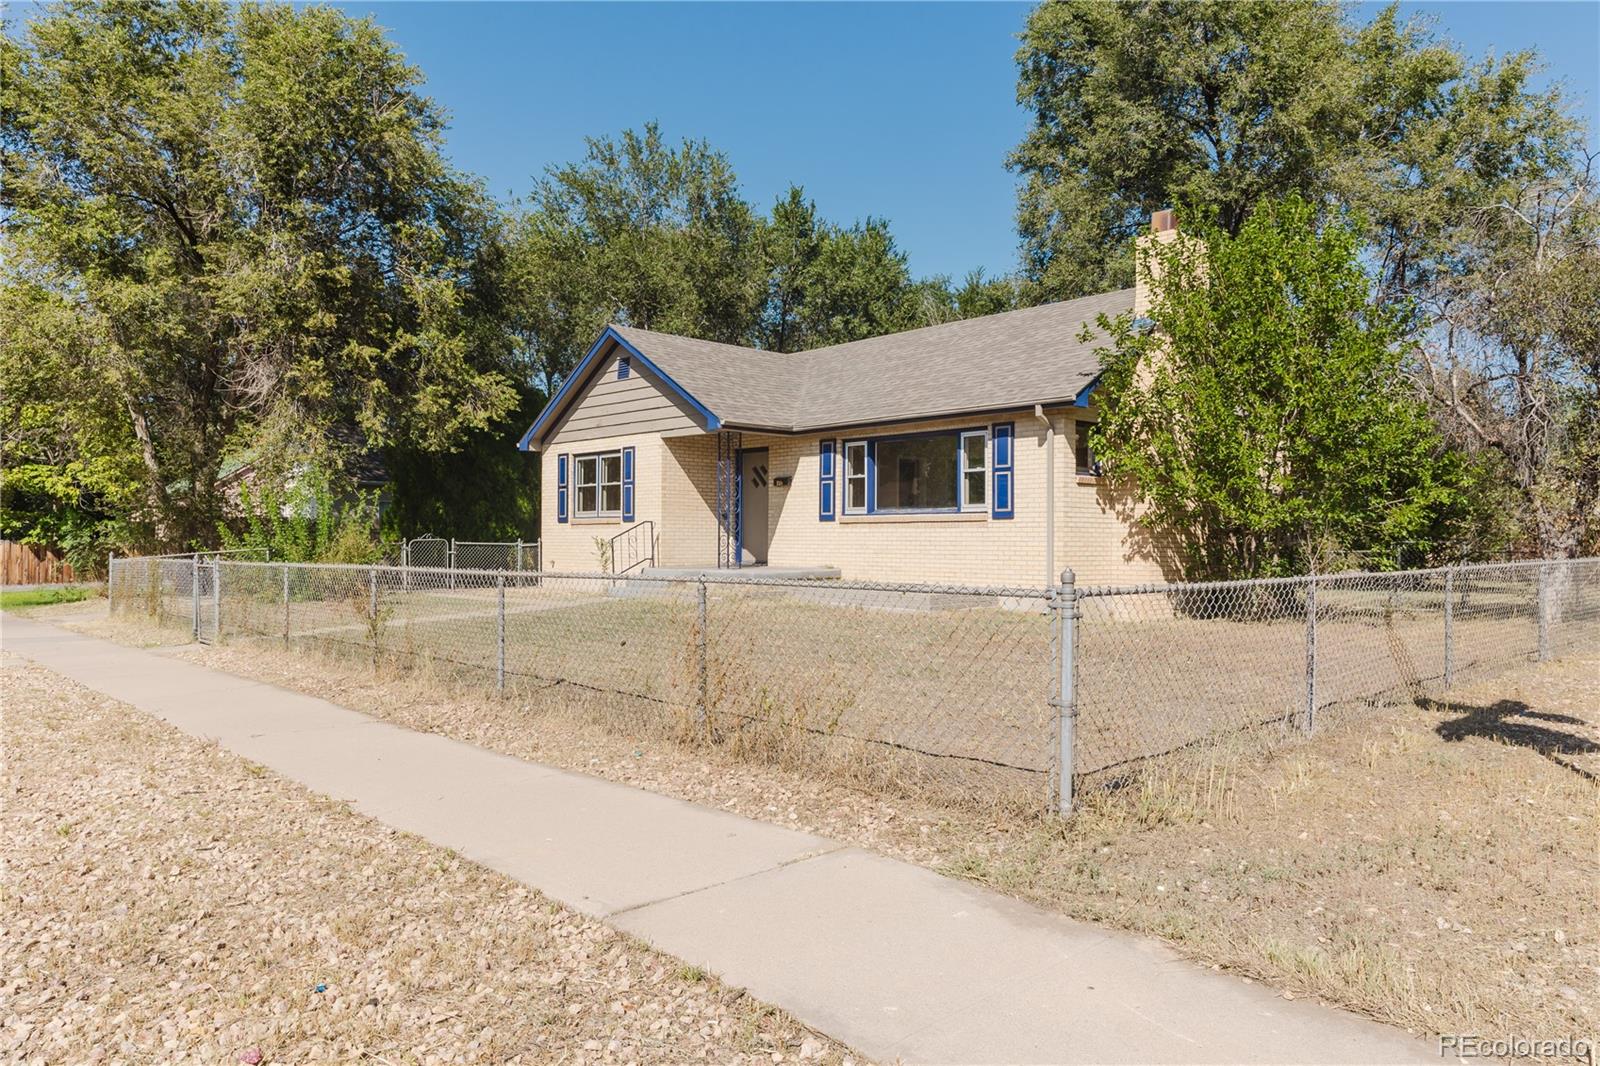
[(976, 693), (1166, 668), (439, 553)]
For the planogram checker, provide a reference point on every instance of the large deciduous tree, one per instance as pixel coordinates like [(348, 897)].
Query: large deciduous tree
[(1262, 420), (641, 232), (658, 236), (1224, 106), (1513, 361), (243, 218), (828, 284)]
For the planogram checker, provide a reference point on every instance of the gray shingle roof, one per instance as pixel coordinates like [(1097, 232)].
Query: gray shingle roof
[(1010, 360)]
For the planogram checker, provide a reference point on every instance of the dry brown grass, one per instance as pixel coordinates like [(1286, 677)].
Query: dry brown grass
[(167, 901), (1439, 884)]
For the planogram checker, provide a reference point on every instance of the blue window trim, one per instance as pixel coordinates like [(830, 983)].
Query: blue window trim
[(561, 487), (872, 469), (569, 388), (827, 480), (1002, 469), (627, 484)]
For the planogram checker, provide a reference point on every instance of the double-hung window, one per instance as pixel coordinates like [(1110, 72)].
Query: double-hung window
[(974, 470), (930, 472), (599, 485), (855, 477)]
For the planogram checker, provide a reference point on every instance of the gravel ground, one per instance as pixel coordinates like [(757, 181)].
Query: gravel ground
[(1433, 867), (166, 901)]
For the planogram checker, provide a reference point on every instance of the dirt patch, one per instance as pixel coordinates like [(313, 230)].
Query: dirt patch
[(168, 901), (1416, 864)]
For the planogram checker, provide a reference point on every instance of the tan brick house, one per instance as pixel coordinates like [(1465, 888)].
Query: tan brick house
[(951, 454)]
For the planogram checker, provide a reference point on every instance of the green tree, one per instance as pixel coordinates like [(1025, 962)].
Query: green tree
[(482, 490), (1266, 420), (246, 212), (828, 284), (70, 477), (637, 232), (1225, 106), (1513, 364)]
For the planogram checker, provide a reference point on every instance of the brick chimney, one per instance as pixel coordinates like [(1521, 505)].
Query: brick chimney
[(1163, 230)]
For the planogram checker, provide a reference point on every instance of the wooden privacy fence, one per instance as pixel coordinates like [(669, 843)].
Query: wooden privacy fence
[(21, 564)]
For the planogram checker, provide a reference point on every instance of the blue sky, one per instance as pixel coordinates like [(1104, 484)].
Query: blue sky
[(903, 111)]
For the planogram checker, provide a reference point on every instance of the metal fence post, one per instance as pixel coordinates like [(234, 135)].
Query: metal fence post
[(500, 638), (1449, 627), (1544, 611), (194, 591), (1066, 618), (450, 561), (1311, 655), (216, 601), (372, 611), (286, 605), (700, 652), (519, 554)]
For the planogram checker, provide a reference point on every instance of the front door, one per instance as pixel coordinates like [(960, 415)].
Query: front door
[(754, 478)]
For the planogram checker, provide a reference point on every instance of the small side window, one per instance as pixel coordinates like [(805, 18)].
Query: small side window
[(1087, 465)]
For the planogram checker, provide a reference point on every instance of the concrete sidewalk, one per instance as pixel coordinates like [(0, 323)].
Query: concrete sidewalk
[(888, 957)]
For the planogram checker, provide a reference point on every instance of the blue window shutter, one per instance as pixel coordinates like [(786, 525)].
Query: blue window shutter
[(627, 484), (624, 367), (826, 480), (561, 487), (1003, 435)]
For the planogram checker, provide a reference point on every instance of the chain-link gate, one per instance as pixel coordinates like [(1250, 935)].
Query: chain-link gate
[(428, 552)]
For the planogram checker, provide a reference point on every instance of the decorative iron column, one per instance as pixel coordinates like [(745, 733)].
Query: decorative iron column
[(728, 539)]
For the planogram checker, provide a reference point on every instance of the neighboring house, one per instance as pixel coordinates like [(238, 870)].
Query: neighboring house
[(951, 454), (363, 466)]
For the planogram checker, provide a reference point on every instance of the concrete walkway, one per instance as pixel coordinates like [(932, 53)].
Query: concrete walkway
[(891, 958)]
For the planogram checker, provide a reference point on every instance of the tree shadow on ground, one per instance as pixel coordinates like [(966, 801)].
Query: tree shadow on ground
[(1514, 722)]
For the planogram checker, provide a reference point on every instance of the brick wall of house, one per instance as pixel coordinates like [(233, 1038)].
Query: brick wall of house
[(675, 488), (1091, 536), (570, 546), (689, 501), (1095, 532)]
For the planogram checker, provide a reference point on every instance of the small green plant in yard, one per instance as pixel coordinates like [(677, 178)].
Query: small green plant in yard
[(42, 597), (692, 974)]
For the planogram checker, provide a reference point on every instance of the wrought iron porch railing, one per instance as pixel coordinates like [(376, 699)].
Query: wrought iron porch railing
[(634, 547)]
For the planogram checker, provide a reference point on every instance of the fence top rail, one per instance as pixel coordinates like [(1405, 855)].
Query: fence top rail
[(1340, 576), (1004, 591), (824, 584), (202, 553)]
